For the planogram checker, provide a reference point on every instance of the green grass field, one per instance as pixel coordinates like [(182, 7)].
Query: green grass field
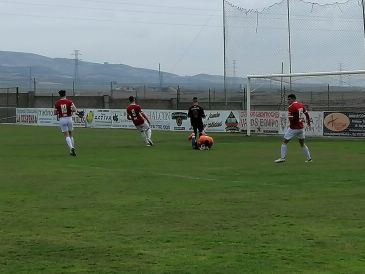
[(121, 207)]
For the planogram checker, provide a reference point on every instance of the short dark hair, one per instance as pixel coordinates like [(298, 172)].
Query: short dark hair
[(195, 99), (292, 96), (62, 93), (131, 99)]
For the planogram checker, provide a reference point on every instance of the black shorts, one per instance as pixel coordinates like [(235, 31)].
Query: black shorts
[(197, 125)]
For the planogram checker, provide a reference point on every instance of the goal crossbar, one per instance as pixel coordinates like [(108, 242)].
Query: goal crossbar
[(309, 74)]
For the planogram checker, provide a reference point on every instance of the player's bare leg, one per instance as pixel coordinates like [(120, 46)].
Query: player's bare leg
[(305, 150)]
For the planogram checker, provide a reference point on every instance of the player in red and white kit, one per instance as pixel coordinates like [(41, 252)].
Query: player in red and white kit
[(140, 120), (297, 116), (64, 108)]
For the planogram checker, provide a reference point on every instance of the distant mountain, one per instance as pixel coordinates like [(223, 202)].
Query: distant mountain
[(19, 69)]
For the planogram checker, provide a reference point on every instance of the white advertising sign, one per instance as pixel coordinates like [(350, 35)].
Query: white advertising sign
[(27, 116), (180, 121), (160, 119), (117, 117), (222, 121), (99, 118), (316, 128), (46, 117), (264, 122)]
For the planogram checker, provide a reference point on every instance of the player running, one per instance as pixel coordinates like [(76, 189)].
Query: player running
[(64, 108), (297, 114), (140, 120)]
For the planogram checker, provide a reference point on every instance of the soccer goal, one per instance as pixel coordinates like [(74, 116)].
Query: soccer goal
[(9, 100), (320, 91)]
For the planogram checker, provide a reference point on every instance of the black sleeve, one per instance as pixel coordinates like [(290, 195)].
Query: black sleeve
[(202, 112), (189, 112)]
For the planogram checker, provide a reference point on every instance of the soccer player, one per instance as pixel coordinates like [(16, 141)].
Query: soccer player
[(64, 108), (297, 114), (140, 120), (204, 142), (196, 114)]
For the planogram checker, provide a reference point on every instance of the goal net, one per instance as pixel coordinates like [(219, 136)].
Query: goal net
[(319, 91), (292, 36)]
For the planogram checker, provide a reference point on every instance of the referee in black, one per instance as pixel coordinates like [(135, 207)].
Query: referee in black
[(196, 114)]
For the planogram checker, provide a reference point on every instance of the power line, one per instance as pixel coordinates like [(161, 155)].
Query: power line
[(147, 5), (106, 20), (191, 43), (104, 9)]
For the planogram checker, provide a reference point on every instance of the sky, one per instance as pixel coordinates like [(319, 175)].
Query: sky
[(184, 37)]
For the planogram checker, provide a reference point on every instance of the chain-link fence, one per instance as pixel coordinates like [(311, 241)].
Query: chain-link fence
[(9, 100), (292, 36)]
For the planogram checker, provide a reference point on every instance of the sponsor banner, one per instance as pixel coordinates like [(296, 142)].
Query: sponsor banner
[(160, 119), (215, 121), (99, 118), (316, 128), (262, 122), (117, 118), (27, 116), (180, 121), (222, 121), (124, 122), (345, 124), (46, 117), (79, 121)]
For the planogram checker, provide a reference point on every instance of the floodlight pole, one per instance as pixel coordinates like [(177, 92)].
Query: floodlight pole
[(289, 44), (312, 74), (224, 56), (363, 15), (248, 107)]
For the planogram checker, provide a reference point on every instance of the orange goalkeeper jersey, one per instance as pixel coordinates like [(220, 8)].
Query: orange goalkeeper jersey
[(205, 138)]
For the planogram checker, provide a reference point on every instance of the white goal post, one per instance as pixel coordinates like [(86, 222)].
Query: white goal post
[(290, 76)]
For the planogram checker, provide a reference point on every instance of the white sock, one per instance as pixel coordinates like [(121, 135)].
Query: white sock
[(306, 152), (73, 142), (149, 133), (144, 136), (283, 151), (69, 142)]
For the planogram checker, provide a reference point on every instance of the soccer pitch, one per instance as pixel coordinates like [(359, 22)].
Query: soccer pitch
[(121, 207)]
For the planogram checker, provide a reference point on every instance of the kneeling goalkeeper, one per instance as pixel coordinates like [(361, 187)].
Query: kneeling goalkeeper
[(204, 142)]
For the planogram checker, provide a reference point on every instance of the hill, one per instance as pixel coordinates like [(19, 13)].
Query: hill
[(19, 69)]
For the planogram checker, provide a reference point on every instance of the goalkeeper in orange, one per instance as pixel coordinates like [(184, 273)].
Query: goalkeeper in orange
[(204, 142)]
